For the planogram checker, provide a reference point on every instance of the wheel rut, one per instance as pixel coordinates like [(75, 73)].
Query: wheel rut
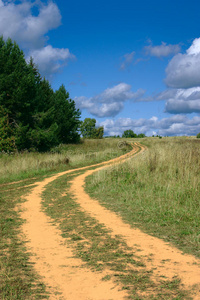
[(65, 276)]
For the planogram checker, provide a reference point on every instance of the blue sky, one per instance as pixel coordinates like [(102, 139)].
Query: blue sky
[(128, 64)]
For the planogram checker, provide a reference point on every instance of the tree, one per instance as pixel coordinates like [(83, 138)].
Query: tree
[(66, 117), (129, 134), (99, 132), (198, 135), (88, 129), (7, 140), (38, 117), (17, 88)]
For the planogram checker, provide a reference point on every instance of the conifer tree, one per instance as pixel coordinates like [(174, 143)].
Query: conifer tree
[(38, 117)]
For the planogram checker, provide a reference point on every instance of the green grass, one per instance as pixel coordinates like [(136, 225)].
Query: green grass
[(159, 191), (24, 165), (93, 243), (18, 279)]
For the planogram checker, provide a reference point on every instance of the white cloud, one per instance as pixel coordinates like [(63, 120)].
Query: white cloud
[(181, 100), (18, 23), (162, 50), (107, 109), (110, 102), (50, 59), (194, 48), (175, 125), (128, 59), (30, 31), (183, 70), (181, 106)]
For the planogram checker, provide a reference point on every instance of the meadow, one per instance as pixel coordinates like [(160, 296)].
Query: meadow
[(22, 165), (158, 191)]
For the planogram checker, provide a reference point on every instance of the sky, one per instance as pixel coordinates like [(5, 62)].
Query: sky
[(131, 64)]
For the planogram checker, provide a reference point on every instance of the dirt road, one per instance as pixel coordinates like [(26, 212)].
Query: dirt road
[(66, 276)]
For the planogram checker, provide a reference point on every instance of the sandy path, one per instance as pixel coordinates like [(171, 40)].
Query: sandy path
[(66, 276), (165, 260)]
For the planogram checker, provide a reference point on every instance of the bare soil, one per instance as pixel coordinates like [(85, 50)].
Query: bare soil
[(66, 276)]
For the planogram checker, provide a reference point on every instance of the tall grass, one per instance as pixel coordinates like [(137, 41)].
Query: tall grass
[(158, 191), (27, 164)]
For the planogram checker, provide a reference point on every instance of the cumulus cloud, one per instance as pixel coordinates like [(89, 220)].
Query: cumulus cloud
[(181, 100), (127, 60), (175, 125), (110, 102), (182, 106), (50, 59), (18, 22), (162, 50), (183, 70)]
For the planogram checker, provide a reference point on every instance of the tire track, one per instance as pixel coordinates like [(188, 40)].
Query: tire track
[(66, 276), (160, 257)]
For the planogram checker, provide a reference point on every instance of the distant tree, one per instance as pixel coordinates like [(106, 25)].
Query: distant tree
[(141, 135), (129, 134), (88, 129), (99, 132), (198, 135)]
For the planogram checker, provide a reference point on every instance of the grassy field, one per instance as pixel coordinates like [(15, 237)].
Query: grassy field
[(157, 191), (29, 164)]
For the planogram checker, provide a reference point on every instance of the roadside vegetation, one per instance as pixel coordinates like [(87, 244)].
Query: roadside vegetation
[(157, 191), (18, 280), (26, 164)]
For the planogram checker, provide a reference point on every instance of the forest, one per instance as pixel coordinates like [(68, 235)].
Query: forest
[(32, 115)]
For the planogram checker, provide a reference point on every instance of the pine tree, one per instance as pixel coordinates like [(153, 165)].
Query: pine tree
[(38, 117), (66, 117)]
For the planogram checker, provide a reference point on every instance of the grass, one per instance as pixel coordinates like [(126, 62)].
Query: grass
[(18, 279), (93, 243), (159, 191), (30, 164)]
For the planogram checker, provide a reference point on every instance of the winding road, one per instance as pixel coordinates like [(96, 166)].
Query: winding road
[(68, 277)]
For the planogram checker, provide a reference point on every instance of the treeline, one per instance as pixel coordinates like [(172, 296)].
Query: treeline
[(32, 115)]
